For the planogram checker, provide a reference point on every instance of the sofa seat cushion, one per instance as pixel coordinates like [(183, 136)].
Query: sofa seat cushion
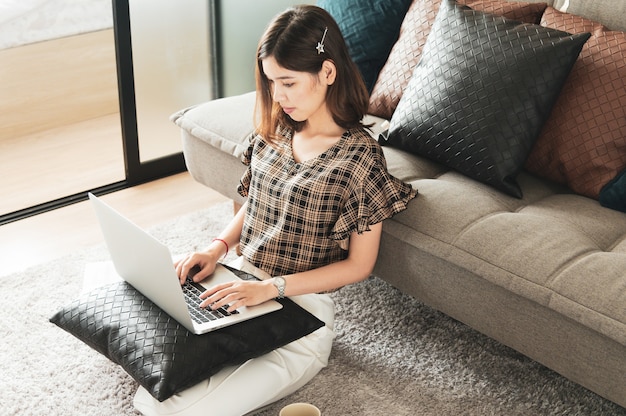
[(561, 250)]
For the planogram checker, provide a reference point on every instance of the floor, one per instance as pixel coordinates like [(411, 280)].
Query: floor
[(47, 236), (53, 162), (60, 130)]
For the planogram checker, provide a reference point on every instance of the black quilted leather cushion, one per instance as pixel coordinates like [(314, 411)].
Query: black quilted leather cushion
[(159, 353), (481, 92)]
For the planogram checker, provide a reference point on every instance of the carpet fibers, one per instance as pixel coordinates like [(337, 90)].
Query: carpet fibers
[(397, 357)]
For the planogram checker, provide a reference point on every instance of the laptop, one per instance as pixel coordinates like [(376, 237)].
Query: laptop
[(147, 265)]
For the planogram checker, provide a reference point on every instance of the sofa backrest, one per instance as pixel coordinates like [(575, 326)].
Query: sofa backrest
[(611, 13)]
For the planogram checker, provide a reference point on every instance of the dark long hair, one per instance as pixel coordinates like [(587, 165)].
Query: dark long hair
[(291, 39)]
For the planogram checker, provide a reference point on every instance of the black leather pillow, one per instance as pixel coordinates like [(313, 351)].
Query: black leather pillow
[(481, 92), (158, 352)]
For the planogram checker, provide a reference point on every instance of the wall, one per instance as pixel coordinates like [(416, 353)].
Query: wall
[(242, 22)]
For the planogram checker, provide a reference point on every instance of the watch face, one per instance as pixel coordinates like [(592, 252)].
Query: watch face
[(279, 282)]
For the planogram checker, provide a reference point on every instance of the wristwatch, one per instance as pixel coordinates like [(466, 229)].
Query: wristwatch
[(279, 282)]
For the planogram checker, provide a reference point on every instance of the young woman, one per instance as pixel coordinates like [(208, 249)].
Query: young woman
[(317, 191)]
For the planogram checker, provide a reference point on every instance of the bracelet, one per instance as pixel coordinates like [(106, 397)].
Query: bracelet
[(223, 242)]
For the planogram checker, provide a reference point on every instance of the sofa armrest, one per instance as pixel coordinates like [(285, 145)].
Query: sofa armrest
[(224, 123)]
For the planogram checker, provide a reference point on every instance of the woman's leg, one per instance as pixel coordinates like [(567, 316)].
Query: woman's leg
[(238, 390)]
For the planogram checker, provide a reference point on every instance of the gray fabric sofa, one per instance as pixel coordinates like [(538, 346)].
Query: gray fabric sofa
[(544, 274)]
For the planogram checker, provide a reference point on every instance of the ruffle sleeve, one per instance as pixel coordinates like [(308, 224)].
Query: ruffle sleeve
[(379, 196), (246, 159)]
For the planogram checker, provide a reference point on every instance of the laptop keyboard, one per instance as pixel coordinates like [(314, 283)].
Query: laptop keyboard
[(192, 292)]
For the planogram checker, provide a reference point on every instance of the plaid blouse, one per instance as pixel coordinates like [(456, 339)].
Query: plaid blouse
[(300, 215)]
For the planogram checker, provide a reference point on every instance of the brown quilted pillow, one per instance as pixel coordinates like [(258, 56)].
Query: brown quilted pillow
[(405, 54), (583, 143)]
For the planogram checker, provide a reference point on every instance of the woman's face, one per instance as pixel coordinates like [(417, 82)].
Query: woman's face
[(301, 95)]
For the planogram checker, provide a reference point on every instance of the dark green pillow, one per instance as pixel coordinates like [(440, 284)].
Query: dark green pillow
[(481, 92), (613, 194), (370, 28)]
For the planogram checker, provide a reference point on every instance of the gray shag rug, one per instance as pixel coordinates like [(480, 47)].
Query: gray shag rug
[(395, 357)]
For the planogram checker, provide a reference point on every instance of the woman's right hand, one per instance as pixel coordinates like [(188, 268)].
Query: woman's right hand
[(207, 260), (204, 261)]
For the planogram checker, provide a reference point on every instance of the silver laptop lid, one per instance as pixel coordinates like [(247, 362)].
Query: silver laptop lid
[(147, 264), (142, 261)]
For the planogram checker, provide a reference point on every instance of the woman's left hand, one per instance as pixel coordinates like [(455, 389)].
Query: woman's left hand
[(238, 294)]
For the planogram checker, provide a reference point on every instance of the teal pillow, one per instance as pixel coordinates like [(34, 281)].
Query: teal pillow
[(370, 28), (613, 194)]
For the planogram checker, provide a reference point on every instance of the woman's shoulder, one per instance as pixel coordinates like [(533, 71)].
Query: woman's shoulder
[(360, 140)]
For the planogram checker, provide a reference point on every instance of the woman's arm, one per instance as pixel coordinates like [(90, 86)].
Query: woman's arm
[(207, 259), (362, 254)]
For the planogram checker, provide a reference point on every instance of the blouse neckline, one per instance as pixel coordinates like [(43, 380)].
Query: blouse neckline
[(328, 153)]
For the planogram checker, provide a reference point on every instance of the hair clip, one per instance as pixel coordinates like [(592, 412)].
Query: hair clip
[(320, 44)]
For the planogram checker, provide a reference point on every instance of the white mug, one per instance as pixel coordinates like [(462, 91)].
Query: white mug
[(300, 409)]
